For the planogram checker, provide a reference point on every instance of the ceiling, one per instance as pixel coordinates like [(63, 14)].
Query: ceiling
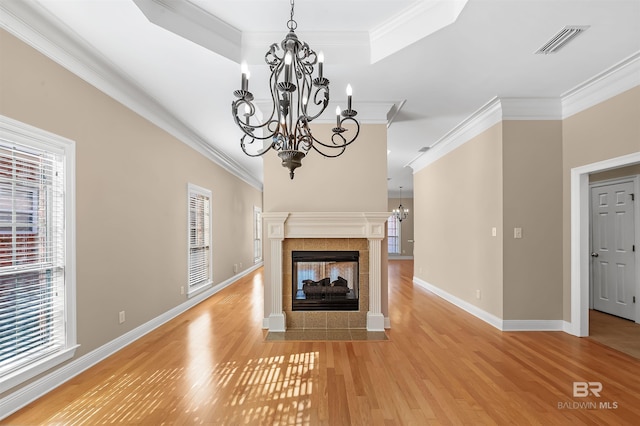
[(422, 67)]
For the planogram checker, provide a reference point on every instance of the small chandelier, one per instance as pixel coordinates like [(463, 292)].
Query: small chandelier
[(401, 213), (286, 130)]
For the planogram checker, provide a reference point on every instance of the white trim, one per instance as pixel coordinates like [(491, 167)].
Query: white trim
[(462, 304), (533, 325), (617, 79), (25, 21), (580, 259), (29, 393)]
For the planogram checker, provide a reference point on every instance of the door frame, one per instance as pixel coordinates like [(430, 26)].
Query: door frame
[(580, 238), (635, 181)]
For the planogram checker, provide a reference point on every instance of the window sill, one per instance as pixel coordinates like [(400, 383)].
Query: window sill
[(193, 291), (17, 377)]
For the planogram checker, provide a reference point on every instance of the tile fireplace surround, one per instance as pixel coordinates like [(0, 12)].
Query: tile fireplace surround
[(327, 227)]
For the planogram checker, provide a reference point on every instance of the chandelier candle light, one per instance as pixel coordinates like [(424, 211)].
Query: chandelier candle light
[(287, 128)]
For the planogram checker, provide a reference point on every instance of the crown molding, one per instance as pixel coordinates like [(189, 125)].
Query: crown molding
[(611, 82), (617, 79), (484, 118), (30, 23)]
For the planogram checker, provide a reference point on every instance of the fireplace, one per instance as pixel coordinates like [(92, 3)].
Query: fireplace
[(325, 280), (322, 231)]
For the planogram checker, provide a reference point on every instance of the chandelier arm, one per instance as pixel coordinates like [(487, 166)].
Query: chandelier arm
[(246, 128), (243, 145), (344, 143), (323, 103)]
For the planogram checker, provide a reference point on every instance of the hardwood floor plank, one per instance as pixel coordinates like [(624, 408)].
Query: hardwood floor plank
[(441, 365)]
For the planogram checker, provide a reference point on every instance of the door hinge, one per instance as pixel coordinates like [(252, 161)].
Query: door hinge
[(633, 247), (634, 299), (633, 197)]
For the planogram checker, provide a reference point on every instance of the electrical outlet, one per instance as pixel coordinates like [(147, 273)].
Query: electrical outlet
[(517, 232), (182, 290), (477, 294), (494, 231), (235, 268), (121, 317)]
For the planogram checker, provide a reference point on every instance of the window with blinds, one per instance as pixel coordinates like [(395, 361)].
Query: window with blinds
[(393, 234), (200, 272), (257, 234), (34, 286)]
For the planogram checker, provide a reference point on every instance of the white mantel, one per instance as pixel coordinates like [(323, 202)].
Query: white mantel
[(281, 225)]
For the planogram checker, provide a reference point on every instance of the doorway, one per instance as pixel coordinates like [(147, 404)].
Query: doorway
[(613, 260), (580, 241)]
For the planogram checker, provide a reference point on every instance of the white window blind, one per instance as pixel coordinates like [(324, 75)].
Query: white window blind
[(200, 273), (393, 234), (257, 234), (32, 255)]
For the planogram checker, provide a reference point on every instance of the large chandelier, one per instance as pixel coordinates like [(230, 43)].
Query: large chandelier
[(298, 99)]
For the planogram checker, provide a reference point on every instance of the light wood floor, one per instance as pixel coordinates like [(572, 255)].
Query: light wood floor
[(440, 365), (617, 333)]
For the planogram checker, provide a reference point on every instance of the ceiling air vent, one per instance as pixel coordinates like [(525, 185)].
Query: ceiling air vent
[(424, 149), (563, 37)]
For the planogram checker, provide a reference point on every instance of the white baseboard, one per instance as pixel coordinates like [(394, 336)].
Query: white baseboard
[(499, 323), (532, 325), (399, 257), (462, 304), (29, 393)]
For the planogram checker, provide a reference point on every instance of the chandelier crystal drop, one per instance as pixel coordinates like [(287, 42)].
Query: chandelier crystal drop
[(297, 100)]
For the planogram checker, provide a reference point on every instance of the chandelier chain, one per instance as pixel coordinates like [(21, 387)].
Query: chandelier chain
[(292, 24)]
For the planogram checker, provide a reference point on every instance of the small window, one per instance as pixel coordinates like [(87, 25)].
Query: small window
[(200, 262), (393, 234), (257, 234)]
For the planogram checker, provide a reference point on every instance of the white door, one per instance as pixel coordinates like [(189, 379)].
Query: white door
[(612, 248)]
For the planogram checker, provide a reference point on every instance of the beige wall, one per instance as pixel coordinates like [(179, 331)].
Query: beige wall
[(406, 232), (458, 199), (608, 130), (354, 182), (532, 197), (131, 196)]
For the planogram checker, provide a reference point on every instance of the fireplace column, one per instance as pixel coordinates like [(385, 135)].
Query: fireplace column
[(275, 233), (375, 234)]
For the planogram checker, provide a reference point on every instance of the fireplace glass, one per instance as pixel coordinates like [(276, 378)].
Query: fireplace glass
[(325, 280)]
